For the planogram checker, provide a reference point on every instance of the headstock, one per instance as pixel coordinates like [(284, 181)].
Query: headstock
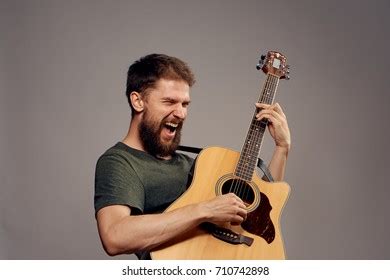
[(274, 63)]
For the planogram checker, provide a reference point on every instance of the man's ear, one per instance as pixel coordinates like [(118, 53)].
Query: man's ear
[(136, 101)]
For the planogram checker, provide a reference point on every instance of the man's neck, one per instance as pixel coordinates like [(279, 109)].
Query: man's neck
[(132, 139)]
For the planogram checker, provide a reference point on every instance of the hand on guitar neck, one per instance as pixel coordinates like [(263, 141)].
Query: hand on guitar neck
[(280, 132)]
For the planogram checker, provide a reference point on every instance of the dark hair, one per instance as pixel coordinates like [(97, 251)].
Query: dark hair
[(145, 72)]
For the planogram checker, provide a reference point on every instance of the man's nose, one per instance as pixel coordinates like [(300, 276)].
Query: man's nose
[(180, 112)]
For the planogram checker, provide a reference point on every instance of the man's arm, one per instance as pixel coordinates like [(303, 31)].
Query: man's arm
[(280, 132), (277, 165), (121, 232)]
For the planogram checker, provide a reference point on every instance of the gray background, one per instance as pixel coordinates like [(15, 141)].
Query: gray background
[(62, 78)]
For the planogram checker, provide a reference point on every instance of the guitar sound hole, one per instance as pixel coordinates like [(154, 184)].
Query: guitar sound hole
[(240, 188)]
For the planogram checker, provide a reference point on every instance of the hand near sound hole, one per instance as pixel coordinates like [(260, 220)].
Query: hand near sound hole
[(225, 208)]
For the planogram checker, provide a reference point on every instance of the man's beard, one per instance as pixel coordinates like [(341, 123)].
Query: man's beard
[(150, 133)]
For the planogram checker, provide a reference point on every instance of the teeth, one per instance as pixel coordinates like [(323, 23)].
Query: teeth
[(172, 124)]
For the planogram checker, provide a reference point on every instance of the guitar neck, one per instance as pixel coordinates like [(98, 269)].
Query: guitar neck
[(251, 148)]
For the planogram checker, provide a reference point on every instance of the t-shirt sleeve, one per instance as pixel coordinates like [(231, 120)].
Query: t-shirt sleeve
[(116, 183)]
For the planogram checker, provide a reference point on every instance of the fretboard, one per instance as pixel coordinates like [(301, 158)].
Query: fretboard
[(251, 148)]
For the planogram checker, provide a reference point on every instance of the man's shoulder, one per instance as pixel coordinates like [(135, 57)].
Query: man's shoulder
[(115, 149), (185, 157), (119, 150), (116, 160), (116, 153)]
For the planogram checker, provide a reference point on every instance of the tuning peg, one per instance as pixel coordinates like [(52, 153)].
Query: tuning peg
[(262, 57), (287, 77), (261, 62)]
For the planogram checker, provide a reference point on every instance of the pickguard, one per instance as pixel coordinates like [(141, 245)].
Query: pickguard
[(259, 222)]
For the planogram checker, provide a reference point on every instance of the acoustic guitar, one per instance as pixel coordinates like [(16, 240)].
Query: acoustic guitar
[(219, 171)]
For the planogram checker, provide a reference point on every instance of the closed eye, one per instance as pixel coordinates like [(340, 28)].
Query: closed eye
[(170, 101)]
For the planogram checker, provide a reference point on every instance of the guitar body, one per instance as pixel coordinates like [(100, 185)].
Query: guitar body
[(214, 171)]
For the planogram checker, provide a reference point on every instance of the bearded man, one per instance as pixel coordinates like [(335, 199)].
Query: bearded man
[(140, 176)]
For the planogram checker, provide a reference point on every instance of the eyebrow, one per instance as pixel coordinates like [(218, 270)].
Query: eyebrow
[(175, 100)]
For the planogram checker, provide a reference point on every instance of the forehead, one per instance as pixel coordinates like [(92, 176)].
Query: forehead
[(173, 89)]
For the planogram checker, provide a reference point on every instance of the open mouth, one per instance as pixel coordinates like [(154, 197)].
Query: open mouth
[(171, 126)]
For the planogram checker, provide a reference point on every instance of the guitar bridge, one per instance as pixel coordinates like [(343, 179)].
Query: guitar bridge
[(227, 235)]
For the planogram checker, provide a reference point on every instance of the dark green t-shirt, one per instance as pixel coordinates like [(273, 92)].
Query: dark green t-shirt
[(146, 184)]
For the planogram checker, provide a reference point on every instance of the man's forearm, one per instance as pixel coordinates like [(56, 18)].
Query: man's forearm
[(144, 232), (277, 165)]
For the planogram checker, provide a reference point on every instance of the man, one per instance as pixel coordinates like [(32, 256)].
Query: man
[(140, 176)]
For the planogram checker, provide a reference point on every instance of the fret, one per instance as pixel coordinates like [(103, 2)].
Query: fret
[(250, 152), (251, 149), (245, 172), (245, 175), (244, 167)]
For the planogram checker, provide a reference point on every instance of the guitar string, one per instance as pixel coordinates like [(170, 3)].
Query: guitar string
[(241, 189), (240, 171), (255, 146), (240, 186), (268, 99), (270, 86), (252, 134)]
